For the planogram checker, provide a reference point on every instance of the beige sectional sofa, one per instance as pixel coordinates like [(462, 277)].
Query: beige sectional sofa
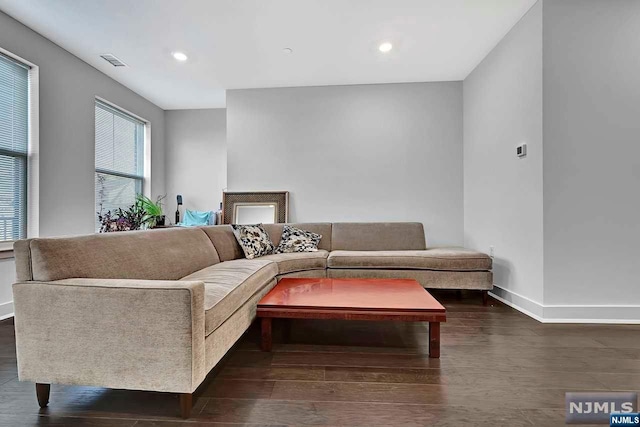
[(157, 310)]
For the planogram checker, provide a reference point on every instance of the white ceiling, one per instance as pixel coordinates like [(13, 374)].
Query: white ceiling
[(239, 43)]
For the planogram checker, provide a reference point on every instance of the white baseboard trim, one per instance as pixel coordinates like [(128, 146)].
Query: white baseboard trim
[(6, 310), (521, 303), (612, 314), (615, 314)]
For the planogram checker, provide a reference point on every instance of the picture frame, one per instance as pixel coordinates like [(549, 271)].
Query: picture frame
[(235, 201)]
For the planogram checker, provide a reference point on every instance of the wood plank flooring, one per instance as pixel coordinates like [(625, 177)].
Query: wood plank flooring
[(498, 367)]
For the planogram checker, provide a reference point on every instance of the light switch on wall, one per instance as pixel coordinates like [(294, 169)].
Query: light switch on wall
[(521, 150)]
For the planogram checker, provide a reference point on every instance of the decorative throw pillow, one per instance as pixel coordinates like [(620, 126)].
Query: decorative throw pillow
[(297, 240), (253, 239)]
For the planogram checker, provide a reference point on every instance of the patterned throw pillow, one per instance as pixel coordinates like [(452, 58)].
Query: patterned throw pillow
[(297, 240), (253, 239)]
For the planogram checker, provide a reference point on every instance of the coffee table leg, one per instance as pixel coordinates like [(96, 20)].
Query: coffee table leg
[(266, 334), (434, 340)]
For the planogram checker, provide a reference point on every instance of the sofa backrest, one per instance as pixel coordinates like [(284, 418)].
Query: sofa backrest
[(164, 254), (170, 254), (224, 241), (228, 247), (377, 236)]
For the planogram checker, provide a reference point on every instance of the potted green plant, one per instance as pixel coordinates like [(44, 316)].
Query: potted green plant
[(153, 215), (122, 219)]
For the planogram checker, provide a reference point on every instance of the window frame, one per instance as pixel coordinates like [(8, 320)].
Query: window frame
[(145, 178), (23, 221), (29, 223)]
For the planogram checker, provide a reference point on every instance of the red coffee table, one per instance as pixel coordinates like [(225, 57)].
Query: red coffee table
[(352, 299)]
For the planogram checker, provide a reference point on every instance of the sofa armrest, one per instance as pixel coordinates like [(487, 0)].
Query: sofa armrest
[(115, 333)]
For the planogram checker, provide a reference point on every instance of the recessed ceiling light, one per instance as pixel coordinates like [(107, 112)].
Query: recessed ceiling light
[(287, 50), (385, 47), (179, 56)]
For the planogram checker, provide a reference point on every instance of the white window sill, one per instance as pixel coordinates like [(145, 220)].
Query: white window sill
[(6, 253)]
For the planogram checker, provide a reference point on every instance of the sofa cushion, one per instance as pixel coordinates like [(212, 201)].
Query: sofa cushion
[(228, 285), (377, 236), (444, 259), (299, 261)]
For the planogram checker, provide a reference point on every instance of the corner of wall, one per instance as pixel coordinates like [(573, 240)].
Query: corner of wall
[(503, 193)]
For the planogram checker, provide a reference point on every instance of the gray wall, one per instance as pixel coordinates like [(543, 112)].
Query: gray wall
[(196, 158), (592, 154), (68, 87), (503, 193), (388, 152), (7, 277)]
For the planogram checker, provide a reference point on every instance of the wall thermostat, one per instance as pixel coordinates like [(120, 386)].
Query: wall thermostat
[(521, 150)]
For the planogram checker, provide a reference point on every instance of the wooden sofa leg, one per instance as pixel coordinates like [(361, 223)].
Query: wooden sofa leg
[(186, 402), (42, 393), (485, 297)]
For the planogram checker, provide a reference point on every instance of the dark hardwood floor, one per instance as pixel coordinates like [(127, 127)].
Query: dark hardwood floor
[(497, 368)]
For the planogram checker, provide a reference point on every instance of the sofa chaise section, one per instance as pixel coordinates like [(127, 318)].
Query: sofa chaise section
[(399, 250), (441, 268), (438, 259)]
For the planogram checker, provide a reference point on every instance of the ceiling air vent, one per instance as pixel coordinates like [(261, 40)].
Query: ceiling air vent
[(111, 59)]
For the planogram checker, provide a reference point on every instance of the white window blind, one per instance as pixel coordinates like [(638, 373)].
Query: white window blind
[(14, 143), (119, 159)]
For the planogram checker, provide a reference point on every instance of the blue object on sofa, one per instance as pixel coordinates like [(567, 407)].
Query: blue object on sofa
[(196, 218)]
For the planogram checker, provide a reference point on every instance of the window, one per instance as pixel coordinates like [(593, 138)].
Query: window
[(14, 148), (119, 159)]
